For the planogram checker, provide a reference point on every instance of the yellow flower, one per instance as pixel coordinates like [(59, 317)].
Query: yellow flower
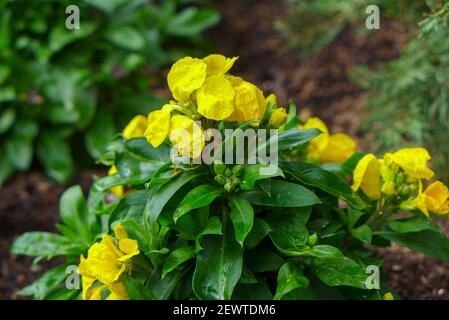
[(158, 126), (106, 261), (419, 202), (215, 99), (388, 296), (185, 76), (187, 136), (271, 100), (388, 188), (277, 118), (118, 190), (367, 176), (317, 145), (136, 127), (414, 162), (436, 198), (249, 101), (218, 64), (340, 147)]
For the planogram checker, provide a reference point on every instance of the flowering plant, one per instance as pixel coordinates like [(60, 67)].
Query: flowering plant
[(173, 220)]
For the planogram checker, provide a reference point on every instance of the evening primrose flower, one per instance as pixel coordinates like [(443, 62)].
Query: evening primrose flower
[(419, 202), (414, 162), (218, 64), (187, 136), (367, 176), (136, 127), (249, 101), (158, 126), (215, 98), (106, 261), (186, 75), (436, 198), (317, 145), (277, 118), (340, 147)]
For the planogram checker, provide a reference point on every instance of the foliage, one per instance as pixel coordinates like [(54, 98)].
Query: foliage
[(408, 97), (61, 86), (311, 25), (211, 230)]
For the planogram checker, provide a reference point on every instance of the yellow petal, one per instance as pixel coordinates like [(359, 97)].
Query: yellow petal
[(419, 202), (129, 247), (120, 231), (388, 296), (136, 127), (187, 136), (185, 76), (218, 64), (436, 197), (340, 148), (414, 162), (367, 176), (118, 292), (317, 145), (158, 127), (277, 118), (388, 188), (250, 103), (215, 99)]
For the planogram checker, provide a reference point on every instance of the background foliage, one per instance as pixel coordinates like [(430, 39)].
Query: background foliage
[(66, 91)]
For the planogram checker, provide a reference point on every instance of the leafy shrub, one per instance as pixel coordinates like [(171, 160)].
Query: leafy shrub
[(408, 97), (57, 84), (311, 25), (178, 228)]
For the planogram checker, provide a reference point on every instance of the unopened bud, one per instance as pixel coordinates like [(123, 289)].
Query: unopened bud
[(237, 170), (221, 179), (228, 172), (400, 178), (313, 240), (219, 167), (228, 186)]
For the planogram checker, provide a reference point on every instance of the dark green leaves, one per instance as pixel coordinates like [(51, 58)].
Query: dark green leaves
[(290, 277), (253, 173), (199, 197), (191, 22), (242, 216), (283, 194), (177, 257), (218, 268), (289, 233), (295, 137)]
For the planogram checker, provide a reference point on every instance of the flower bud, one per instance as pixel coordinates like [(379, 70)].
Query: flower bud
[(400, 178), (228, 186), (228, 172), (277, 118), (313, 240), (219, 167), (388, 188), (221, 179), (404, 190), (237, 170)]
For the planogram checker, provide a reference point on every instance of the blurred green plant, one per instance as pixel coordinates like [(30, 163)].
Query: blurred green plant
[(313, 24), (409, 97), (65, 91)]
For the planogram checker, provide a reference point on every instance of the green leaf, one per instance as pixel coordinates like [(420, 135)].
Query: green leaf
[(253, 173), (414, 224), (176, 258), (6, 169), (191, 22), (199, 197), (19, 145), (429, 242), (363, 233), (214, 227), (218, 268), (161, 194), (242, 216), (334, 269), (126, 37), (255, 291), (259, 231), (45, 244), (290, 277), (46, 283), (130, 207), (107, 6), (54, 154), (289, 233), (136, 290), (100, 133), (263, 259), (325, 180), (7, 118), (283, 194), (73, 212)]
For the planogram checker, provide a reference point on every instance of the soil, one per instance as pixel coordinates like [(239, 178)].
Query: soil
[(319, 86)]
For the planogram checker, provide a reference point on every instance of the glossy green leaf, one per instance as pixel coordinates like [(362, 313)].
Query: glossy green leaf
[(200, 196), (50, 280), (177, 257), (191, 22), (258, 232), (242, 217), (290, 277), (253, 173), (214, 227)]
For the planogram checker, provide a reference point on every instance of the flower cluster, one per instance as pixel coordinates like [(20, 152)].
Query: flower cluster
[(106, 261), (399, 177)]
